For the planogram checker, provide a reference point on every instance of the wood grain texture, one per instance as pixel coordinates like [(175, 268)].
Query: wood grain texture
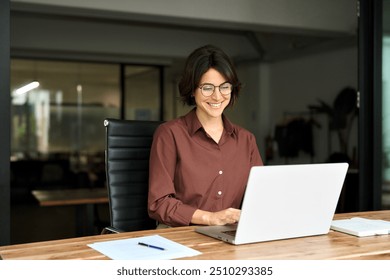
[(331, 246), (63, 197)]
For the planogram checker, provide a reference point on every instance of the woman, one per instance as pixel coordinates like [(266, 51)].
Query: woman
[(200, 162)]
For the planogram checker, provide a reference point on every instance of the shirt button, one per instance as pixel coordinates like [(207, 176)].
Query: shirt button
[(220, 172), (219, 192)]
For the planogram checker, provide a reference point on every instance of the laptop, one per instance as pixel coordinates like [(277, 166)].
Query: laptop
[(285, 201)]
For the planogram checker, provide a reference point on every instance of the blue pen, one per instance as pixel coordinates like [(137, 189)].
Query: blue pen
[(150, 246)]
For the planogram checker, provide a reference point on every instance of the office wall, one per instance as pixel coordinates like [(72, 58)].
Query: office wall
[(126, 30), (309, 15), (297, 83), (252, 108), (98, 40)]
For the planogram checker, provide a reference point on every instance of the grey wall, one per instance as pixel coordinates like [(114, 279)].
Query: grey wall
[(171, 28), (301, 15)]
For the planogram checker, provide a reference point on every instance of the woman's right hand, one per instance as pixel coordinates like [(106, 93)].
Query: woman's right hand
[(223, 217)]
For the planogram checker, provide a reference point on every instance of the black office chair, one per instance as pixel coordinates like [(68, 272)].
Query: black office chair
[(127, 171)]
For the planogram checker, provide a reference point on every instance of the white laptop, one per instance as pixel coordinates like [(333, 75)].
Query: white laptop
[(285, 201)]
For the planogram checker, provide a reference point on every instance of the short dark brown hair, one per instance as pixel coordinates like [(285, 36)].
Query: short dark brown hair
[(198, 63)]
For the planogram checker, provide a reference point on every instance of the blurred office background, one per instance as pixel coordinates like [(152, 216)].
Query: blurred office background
[(298, 61)]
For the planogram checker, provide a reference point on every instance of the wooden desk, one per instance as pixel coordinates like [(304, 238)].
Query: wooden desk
[(334, 245), (63, 197), (84, 200)]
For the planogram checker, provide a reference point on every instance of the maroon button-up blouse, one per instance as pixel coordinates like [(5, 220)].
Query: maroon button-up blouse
[(189, 170)]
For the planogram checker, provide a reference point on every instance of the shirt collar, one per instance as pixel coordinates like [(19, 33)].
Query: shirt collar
[(194, 124)]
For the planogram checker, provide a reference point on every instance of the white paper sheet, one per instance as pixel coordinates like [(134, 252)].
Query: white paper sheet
[(129, 249)]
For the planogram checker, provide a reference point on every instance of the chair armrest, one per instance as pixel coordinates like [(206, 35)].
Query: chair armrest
[(110, 230)]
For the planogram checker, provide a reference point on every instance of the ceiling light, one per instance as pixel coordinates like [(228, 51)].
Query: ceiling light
[(26, 88)]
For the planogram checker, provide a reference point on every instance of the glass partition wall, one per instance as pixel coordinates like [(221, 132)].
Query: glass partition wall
[(65, 112), (142, 93), (57, 121)]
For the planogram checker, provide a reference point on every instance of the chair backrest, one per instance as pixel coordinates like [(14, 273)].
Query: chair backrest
[(127, 171)]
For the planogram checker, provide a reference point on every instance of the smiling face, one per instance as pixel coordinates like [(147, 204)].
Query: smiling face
[(212, 106)]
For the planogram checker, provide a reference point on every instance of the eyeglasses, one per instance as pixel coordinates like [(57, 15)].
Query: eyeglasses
[(208, 89)]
